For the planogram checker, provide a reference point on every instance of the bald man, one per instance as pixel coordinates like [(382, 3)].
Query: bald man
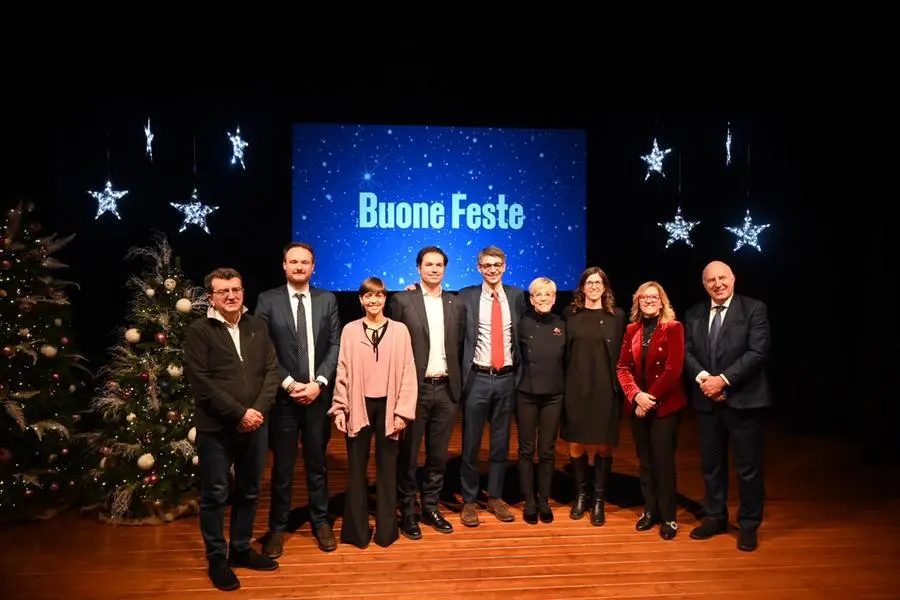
[(727, 348)]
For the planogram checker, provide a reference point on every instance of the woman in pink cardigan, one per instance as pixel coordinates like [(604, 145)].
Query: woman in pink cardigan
[(375, 393)]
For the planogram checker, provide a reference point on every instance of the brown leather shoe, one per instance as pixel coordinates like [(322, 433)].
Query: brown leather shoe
[(500, 510), (273, 545), (469, 516), (325, 538)]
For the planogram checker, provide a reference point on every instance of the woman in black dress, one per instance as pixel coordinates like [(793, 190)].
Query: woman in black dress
[(593, 400)]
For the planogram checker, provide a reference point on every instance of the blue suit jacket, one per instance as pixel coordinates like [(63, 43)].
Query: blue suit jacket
[(471, 297)]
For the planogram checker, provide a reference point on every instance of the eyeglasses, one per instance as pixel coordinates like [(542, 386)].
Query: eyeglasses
[(224, 293), (649, 299), (494, 265), (593, 283)]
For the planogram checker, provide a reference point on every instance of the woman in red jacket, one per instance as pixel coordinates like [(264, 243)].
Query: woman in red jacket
[(649, 370)]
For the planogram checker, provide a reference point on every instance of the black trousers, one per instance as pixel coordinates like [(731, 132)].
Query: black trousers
[(290, 424), (742, 429), (355, 529), (537, 417), (435, 411), (217, 451), (656, 440)]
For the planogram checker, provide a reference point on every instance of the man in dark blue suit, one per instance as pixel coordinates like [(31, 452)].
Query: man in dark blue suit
[(727, 348), (304, 324), (490, 369)]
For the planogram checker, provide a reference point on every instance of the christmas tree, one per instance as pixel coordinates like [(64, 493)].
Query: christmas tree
[(146, 465), (42, 380)]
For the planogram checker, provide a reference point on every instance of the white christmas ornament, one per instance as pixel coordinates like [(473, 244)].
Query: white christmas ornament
[(48, 351), (131, 418), (184, 305), (194, 212), (150, 292), (132, 336), (192, 435), (654, 160), (169, 284), (748, 234), (679, 229), (175, 371), (106, 200), (195, 461), (145, 462)]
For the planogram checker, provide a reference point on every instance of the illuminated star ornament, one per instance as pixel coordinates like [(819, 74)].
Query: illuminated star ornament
[(106, 200), (654, 160), (679, 229), (237, 147), (747, 233), (149, 135), (194, 212), (728, 145)]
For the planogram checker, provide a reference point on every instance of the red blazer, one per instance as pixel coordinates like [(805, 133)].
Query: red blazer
[(666, 360)]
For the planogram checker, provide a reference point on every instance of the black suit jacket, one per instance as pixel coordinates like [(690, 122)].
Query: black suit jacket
[(408, 307), (471, 297), (275, 307), (742, 352)]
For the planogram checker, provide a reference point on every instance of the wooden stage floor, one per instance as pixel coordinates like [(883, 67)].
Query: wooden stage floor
[(831, 531)]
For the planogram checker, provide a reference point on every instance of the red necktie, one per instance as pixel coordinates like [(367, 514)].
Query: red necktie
[(496, 334)]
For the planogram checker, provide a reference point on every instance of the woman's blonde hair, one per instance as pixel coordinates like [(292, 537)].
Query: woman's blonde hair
[(666, 312)]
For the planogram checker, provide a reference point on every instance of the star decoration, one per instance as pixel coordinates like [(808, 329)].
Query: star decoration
[(237, 147), (194, 212), (106, 200), (747, 233), (728, 146), (679, 229), (654, 160), (149, 135)]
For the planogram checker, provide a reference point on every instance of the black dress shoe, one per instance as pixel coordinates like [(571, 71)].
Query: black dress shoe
[(409, 527), (646, 522), (708, 529), (325, 538), (221, 575), (435, 519), (668, 530), (545, 512), (747, 541), (530, 514), (251, 559)]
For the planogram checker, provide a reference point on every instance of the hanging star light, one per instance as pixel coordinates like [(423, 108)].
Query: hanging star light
[(149, 135), (237, 147), (654, 160), (194, 212), (728, 145), (747, 233), (106, 200), (679, 229)]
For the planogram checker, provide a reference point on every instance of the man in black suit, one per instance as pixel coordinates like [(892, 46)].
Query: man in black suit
[(727, 347), (436, 320), (231, 366), (306, 329), (489, 377)]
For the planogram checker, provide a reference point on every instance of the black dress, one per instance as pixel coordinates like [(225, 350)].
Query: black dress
[(593, 402)]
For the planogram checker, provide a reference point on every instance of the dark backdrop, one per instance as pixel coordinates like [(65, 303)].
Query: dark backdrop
[(828, 363)]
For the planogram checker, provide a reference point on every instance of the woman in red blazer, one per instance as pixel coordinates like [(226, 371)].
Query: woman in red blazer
[(649, 370)]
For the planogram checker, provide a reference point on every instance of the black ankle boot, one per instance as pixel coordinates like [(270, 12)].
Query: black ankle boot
[(579, 474), (602, 466)]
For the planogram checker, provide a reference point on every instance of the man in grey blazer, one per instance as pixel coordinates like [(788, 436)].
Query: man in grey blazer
[(435, 319), (726, 351), (305, 327), (490, 374)]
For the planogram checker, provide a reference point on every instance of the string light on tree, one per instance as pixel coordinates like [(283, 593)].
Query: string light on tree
[(748, 233), (679, 229), (194, 212), (149, 135), (107, 199), (237, 147), (654, 160)]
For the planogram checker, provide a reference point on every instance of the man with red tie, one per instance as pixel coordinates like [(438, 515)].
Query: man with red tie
[(489, 379)]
